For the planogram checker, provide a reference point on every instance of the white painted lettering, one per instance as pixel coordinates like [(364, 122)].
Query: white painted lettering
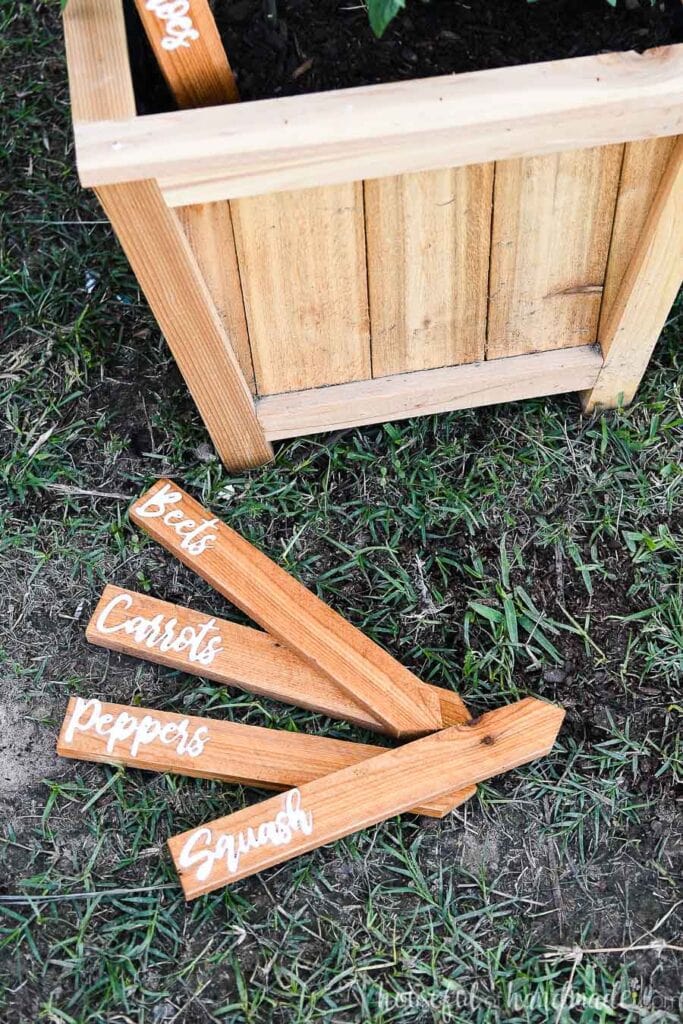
[(201, 852), (88, 716)]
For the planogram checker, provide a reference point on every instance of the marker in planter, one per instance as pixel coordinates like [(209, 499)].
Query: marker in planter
[(322, 811), (204, 645), (189, 51), (212, 749), (284, 607)]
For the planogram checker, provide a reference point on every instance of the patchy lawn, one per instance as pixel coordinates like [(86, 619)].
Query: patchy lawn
[(502, 552)]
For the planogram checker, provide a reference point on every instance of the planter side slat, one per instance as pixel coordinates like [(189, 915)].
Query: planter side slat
[(552, 223), (646, 294), (429, 391), (302, 264), (376, 131), (208, 228), (641, 174), (428, 240)]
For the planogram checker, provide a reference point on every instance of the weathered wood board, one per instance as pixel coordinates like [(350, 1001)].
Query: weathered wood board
[(280, 604), (341, 803), (638, 313), (302, 266), (428, 267), (209, 748), (168, 634), (552, 223)]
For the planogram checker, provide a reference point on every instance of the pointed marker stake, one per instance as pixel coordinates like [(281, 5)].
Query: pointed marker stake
[(189, 51), (284, 607), (169, 634), (208, 748), (322, 811)]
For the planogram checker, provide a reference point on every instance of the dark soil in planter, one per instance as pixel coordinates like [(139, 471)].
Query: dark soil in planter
[(316, 45)]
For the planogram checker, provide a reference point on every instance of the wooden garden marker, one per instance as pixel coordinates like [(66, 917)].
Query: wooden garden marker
[(288, 610), (203, 645), (208, 748), (189, 51), (322, 811)]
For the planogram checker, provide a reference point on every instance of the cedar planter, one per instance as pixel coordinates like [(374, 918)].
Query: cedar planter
[(369, 254)]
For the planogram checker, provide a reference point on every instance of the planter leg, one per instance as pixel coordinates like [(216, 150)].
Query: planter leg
[(160, 254), (647, 292)]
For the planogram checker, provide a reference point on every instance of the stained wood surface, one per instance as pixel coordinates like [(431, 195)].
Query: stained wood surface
[(302, 265), (428, 265), (161, 257), (552, 223), (641, 173), (284, 607), (429, 391), (100, 82), (195, 66), (172, 635), (208, 748), (646, 294), (361, 795), (298, 142), (209, 231)]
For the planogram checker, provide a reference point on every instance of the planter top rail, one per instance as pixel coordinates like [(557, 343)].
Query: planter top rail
[(327, 138)]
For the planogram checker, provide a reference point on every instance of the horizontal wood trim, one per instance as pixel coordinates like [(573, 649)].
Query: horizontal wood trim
[(326, 138), (428, 391)]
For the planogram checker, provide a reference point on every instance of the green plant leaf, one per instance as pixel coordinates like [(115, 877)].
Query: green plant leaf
[(381, 12)]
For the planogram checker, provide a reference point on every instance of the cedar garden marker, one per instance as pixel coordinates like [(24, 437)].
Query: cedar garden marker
[(209, 748), (337, 787), (288, 610), (189, 51), (320, 812), (181, 638)]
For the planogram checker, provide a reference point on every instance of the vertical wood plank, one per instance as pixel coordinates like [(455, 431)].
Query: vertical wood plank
[(641, 174), (552, 223), (100, 82), (302, 265), (208, 227), (646, 294), (162, 260), (428, 238)]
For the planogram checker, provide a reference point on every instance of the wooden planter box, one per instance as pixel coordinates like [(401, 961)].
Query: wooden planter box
[(369, 254)]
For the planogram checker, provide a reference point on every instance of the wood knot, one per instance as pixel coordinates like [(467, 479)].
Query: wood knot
[(488, 741), (473, 721)]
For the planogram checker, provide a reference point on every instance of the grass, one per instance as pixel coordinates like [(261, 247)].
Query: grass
[(503, 552)]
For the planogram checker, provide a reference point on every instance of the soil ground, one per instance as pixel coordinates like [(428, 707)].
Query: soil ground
[(314, 45), (506, 551)]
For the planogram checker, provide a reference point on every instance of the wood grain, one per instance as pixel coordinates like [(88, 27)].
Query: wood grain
[(161, 257), (641, 173), (297, 142), (552, 222), (248, 658), (280, 604), (647, 292), (429, 391), (230, 752), (100, 82), (428, 241), (302, 263), (364, 794), (209, 231), (197, 72)]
